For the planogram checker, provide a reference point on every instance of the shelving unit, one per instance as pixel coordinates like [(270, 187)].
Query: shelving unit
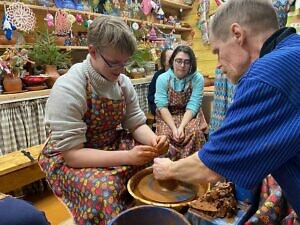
[(44, 93), (162, 26), (172, 4), (78, 52)]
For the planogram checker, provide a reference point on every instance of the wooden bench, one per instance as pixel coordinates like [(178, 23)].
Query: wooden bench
[(18, 170)]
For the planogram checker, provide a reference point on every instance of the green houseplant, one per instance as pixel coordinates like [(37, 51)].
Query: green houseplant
[(138, 61), (11, 67), (44, 52)]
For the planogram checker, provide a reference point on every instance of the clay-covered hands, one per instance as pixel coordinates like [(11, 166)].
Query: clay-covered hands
[(162, 169), (161, 144), (141, 154)]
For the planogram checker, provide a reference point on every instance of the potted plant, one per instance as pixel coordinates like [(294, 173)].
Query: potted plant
[(136, 67), (11, 67), (45, 53)]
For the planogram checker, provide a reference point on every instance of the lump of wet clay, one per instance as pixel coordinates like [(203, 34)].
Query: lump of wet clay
[(218, 202)]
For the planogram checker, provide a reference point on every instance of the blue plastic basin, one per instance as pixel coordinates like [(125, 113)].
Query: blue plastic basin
[(149, 215)]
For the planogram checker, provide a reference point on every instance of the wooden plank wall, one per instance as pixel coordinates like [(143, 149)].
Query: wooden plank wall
[(206, 61)]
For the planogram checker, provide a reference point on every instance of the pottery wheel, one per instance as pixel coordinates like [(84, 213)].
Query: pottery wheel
[(151, 189)]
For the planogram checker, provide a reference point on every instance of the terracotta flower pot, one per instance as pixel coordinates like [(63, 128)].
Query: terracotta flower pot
[(12, 83), (4, 41), (29, 38), (60, 41), (51, 72)]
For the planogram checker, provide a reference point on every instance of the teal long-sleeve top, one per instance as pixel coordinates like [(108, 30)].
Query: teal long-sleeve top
[(161, 94)]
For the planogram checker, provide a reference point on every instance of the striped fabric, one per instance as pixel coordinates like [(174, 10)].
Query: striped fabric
[(265, 115), (223, 97)]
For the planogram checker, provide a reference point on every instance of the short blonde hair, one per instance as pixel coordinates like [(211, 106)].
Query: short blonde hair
[(258, 15), (111, 32)]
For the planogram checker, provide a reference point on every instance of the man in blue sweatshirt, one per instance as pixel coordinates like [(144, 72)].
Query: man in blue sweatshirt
[(261, 131)]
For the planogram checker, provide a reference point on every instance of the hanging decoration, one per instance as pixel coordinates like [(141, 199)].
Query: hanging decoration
[(126, 8), (21, 16), (169, 38), (282, 8), (87, 22), (79, 18), (135, 26), (141, 32), (7, 27), (62, 23), (152, 34), (146, 7), (49, 19), (108, 7), (220, 2), (116, 7), (202, 22), (135, 8), (71, 20)]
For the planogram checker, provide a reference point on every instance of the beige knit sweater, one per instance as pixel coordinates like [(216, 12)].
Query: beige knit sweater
[(66, 105)]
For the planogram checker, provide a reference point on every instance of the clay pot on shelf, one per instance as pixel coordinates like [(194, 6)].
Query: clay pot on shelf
[(60, 41), (4, 41), (208, 81), (29, 38), (12, 83), (51, 72), (62, 71)]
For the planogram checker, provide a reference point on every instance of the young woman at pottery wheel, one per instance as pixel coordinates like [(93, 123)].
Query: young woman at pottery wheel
[(88, 159)]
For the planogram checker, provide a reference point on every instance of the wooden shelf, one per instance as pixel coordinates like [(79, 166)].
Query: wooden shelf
[(162, 26), (175, 5), (7, 98), (61, 47), (73, 47)]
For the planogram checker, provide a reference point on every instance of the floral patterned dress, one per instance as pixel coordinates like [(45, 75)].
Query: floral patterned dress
[(93, 195)]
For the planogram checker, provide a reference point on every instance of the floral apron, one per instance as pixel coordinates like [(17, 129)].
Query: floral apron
[(273, 208), (93, 195), (194, 129)]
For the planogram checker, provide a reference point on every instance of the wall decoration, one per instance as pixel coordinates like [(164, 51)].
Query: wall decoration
[(202, 22), (21, 16), (49, 19), (7, 27)]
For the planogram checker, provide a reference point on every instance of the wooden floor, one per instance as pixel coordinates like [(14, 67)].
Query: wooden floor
[(55, 211)]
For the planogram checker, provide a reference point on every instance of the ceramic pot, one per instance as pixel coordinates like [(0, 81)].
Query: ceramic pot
[(60, 41), (12, 83), (29, 38), (51, 72), (208, 82), (4, 41)]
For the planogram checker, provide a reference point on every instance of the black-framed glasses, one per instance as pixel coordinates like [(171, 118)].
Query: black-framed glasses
[(185, 62), (113, 66)]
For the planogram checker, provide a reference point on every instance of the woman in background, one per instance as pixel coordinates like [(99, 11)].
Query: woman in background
[(164, 62), (178, 99)]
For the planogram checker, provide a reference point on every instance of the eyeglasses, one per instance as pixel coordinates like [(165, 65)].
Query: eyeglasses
[(185, 62), (113, 66)]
